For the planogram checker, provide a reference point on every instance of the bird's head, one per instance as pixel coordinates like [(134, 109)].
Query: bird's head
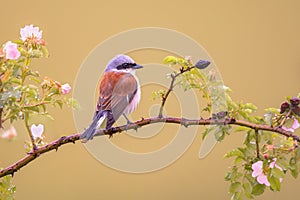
[(122, 63)]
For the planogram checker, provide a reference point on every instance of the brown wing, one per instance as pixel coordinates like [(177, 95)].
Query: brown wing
[(117, 90)]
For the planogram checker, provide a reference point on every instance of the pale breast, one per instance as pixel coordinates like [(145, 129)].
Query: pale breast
[(135, 101)]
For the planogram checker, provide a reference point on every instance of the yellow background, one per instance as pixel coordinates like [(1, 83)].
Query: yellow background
[(255, 45)]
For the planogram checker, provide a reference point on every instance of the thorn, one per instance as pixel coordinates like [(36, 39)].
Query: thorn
[(232, 120), (183, 122), (135, 128), (110, 132)]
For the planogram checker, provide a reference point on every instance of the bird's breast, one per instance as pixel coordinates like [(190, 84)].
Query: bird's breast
[(135, 101)]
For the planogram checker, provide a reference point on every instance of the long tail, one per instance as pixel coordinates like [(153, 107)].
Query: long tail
[(89, 133)]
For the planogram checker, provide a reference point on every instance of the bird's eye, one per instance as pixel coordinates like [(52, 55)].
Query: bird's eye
[(126, 66)]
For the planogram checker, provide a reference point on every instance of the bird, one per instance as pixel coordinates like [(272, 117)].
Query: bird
[(119, 94)]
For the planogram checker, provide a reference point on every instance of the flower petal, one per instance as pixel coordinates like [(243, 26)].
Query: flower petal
[(29, 32), (257, 168), (263, 179), (295, 124), (37, 131), (65, 88), (11, 51)]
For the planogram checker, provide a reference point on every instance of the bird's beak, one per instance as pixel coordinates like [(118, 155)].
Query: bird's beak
[(137, 66)]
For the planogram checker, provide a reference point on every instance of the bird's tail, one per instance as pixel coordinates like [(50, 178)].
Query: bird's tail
[(89, 133)]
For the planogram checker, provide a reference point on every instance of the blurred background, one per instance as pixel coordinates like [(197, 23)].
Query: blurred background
[(255, 45)]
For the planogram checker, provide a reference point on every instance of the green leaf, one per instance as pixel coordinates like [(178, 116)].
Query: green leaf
[(234, 186), (7, 189), (247, 190), (293, 166), (294, 173), (237, 196), (242, 128), (59, 103), (73, 103), (170, 60), (272, 110), (275, 183), (208, 131), (282, 163), (277, 173), (36, 53), (258, 189), (238, 160), (228, 176), (33, 108), (219, 135), (234, 152), (250, 106), (45, 51)]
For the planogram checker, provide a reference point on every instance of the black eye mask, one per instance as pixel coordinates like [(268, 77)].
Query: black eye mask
[(126, 66)]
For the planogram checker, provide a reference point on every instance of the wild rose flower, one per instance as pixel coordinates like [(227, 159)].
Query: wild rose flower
[(37, 130), (65, 88), (9, 133), (259, 174), (11, 51), (29, 32), (294, 126)]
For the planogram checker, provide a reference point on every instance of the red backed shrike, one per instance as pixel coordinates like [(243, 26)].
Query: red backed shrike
[(119, 94)]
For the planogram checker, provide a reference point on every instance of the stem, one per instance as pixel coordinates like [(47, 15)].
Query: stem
[(1, 116), (171, 87), (37, 104), (34, 147), (257, 143)]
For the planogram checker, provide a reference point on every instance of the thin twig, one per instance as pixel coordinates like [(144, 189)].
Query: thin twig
[(32, 155), (257, 143), (170, 89), (34, 147)]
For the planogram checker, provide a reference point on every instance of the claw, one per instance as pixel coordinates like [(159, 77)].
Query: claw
[(128, 122)]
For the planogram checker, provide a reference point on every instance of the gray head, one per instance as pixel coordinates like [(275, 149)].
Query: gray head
[(122, 62)]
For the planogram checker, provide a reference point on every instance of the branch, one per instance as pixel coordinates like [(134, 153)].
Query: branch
[(33, 154)]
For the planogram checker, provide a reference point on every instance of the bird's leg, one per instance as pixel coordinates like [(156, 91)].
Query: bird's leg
[(128, 121)]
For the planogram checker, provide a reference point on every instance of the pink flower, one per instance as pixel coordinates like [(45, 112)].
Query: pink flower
[(65, 88), (259, 173), (11, 51), (294, 126), (30, 32), (9, 133), (37, 131), (273, 164)]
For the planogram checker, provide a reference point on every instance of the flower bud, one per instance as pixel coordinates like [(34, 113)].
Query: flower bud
[(295, 101), (284, 106), (202, 64)]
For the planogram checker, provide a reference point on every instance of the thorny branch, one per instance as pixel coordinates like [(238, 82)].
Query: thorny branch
[(33, 154)]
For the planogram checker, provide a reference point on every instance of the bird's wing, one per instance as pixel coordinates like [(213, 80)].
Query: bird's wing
[(117, 90)]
